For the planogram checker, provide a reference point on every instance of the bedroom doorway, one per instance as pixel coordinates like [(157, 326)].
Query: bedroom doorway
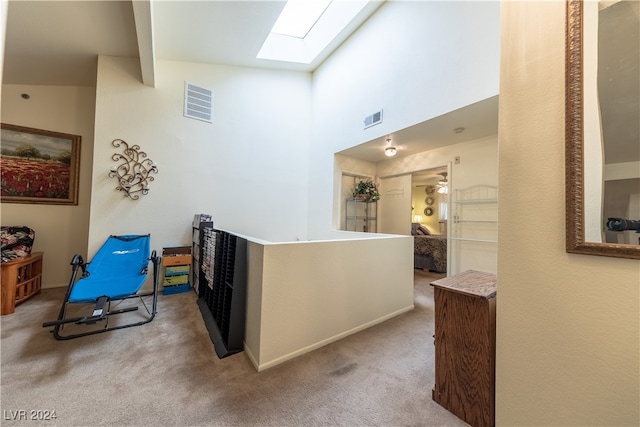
[(430, 199), (429, 216)]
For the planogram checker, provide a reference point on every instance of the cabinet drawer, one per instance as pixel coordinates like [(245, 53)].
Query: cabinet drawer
[(176, 260)]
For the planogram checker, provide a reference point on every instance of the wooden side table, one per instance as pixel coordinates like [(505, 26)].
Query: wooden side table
[(465, 343), (21, 279)]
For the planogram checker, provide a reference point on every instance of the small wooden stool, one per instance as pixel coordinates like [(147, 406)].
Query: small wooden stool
[(21, 279)]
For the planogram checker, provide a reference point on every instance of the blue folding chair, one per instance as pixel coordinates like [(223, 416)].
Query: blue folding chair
[(116, 273)]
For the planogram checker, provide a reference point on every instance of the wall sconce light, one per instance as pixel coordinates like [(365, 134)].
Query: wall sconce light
[(390, 151), (133, 171), (417, 219)]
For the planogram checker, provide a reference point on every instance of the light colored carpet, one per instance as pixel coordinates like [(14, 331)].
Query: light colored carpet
[(166, 373)]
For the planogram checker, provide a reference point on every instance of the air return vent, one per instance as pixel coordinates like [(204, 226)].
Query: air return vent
[(373, 119), (198, 102)]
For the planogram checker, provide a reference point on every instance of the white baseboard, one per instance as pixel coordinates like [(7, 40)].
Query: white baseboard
[(271, 363)]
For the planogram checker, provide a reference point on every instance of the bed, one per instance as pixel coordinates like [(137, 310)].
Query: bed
[(429, 251)]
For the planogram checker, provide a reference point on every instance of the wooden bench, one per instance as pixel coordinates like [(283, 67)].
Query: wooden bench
[(21, 279)]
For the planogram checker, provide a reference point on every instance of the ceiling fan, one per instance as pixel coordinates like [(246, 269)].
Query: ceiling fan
[(431, 188), (443, 185)]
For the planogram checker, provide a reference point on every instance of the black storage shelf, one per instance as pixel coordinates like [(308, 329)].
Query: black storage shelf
[(222, 300), (201, 223)]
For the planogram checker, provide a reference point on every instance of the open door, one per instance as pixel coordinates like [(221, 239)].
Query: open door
[(395, 205)]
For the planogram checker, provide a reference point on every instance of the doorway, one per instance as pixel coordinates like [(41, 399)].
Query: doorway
[(430, 199)]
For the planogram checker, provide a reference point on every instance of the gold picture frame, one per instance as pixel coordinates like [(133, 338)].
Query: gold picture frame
[(39, 166), (574, 145)]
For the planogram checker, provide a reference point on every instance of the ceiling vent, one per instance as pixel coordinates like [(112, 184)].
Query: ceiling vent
[(373, 119), (198, 102)]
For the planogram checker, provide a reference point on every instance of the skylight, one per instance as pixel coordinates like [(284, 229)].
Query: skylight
[(298, 17), (309, 35)]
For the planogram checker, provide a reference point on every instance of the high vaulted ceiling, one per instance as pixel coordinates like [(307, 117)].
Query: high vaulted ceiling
[(57, 42)]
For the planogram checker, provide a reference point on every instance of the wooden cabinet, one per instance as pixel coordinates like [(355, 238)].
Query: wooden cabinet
[(21, 279), (465, 319)]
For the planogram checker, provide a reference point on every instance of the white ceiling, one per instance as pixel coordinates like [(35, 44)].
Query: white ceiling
[(476, 121), (230, 32), (58, 42)]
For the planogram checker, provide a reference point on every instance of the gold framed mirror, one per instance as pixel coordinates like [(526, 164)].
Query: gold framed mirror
[(589, 226)]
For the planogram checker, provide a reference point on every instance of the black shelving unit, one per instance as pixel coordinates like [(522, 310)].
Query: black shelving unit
[(222, 289), (200, 223)]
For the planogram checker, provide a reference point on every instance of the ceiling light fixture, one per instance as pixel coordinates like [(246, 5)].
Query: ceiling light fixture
[(390, 150)]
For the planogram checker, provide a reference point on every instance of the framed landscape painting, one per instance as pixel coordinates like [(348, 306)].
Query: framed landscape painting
[(39, 166)]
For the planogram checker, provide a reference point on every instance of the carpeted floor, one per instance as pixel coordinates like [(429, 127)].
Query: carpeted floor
[(166, 373)]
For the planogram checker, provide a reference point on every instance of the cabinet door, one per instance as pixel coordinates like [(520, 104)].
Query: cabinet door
[(464, 346)]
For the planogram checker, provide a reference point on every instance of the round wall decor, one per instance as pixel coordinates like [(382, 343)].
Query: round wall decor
[(429, 200), (428, 211)]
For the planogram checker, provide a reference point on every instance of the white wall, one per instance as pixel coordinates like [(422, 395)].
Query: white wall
[(304, 295), (568, 350), (418, 202), (404, 61), (249, 169), (61, 230)]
